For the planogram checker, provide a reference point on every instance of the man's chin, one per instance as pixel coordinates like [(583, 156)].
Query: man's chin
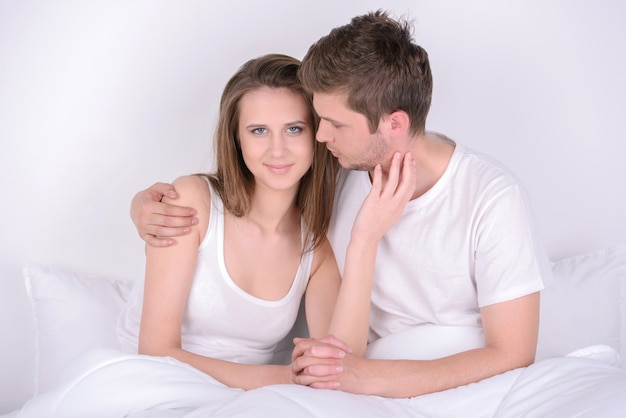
[(350, 165), (356, 167)]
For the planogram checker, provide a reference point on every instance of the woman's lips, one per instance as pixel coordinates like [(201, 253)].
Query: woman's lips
[(279, 168)]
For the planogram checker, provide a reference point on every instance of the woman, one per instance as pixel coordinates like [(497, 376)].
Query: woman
[(223, 296)]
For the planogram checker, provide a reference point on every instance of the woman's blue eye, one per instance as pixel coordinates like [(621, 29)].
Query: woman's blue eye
[(294, 129), (259, 130)]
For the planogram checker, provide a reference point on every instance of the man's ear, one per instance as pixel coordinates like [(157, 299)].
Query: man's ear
[(398, 123)]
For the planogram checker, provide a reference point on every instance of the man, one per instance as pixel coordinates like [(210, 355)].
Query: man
[(465, 253)]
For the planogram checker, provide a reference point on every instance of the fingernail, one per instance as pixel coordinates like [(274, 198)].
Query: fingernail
[(185, 230), (193, 212), (194, 221), (339, 369)]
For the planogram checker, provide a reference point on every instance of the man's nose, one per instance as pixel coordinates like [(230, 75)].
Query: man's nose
[(323, 132)]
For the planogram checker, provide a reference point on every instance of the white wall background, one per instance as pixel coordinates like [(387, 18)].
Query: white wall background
[(99, 99)]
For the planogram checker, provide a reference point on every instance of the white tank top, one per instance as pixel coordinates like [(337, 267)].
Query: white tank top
[(221, 320)]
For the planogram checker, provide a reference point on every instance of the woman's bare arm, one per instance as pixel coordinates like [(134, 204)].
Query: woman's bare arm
[(169, 275)]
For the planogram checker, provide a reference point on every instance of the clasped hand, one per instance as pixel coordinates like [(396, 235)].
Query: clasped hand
[(324, 363)]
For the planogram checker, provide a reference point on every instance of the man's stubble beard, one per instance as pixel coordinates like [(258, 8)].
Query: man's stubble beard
[(376, 153)]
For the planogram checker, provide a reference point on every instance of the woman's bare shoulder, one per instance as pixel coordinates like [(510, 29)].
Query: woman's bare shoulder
[(193, 191)]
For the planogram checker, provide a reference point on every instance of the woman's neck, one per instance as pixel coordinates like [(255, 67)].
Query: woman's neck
[(274, 211)]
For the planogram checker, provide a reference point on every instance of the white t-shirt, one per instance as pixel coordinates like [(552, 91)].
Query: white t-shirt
[(221, 320), (468, 242)]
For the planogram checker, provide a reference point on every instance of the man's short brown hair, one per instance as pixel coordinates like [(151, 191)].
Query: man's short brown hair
[(375, 62)]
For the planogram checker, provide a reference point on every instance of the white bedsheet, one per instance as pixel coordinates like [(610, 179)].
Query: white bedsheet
[(107, 383)]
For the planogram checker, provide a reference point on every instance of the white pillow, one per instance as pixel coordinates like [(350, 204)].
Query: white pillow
[(585, 304), (73, 314)]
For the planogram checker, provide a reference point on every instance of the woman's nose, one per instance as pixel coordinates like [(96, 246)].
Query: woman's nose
[(278, 144)]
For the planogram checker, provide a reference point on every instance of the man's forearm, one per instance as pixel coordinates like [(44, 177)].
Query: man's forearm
[(409, 378)]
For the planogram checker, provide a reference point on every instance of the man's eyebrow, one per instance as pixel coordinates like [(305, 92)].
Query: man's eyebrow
[(331, 120)]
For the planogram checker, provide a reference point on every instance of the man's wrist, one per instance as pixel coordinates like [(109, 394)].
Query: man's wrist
[(374, 382)]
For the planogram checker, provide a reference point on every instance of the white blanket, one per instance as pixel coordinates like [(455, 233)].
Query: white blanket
[(107, 384)]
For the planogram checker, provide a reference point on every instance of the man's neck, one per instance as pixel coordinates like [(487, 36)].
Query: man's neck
[(432, 153)]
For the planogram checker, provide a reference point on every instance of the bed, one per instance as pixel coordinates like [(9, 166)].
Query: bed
[(578, 370)]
